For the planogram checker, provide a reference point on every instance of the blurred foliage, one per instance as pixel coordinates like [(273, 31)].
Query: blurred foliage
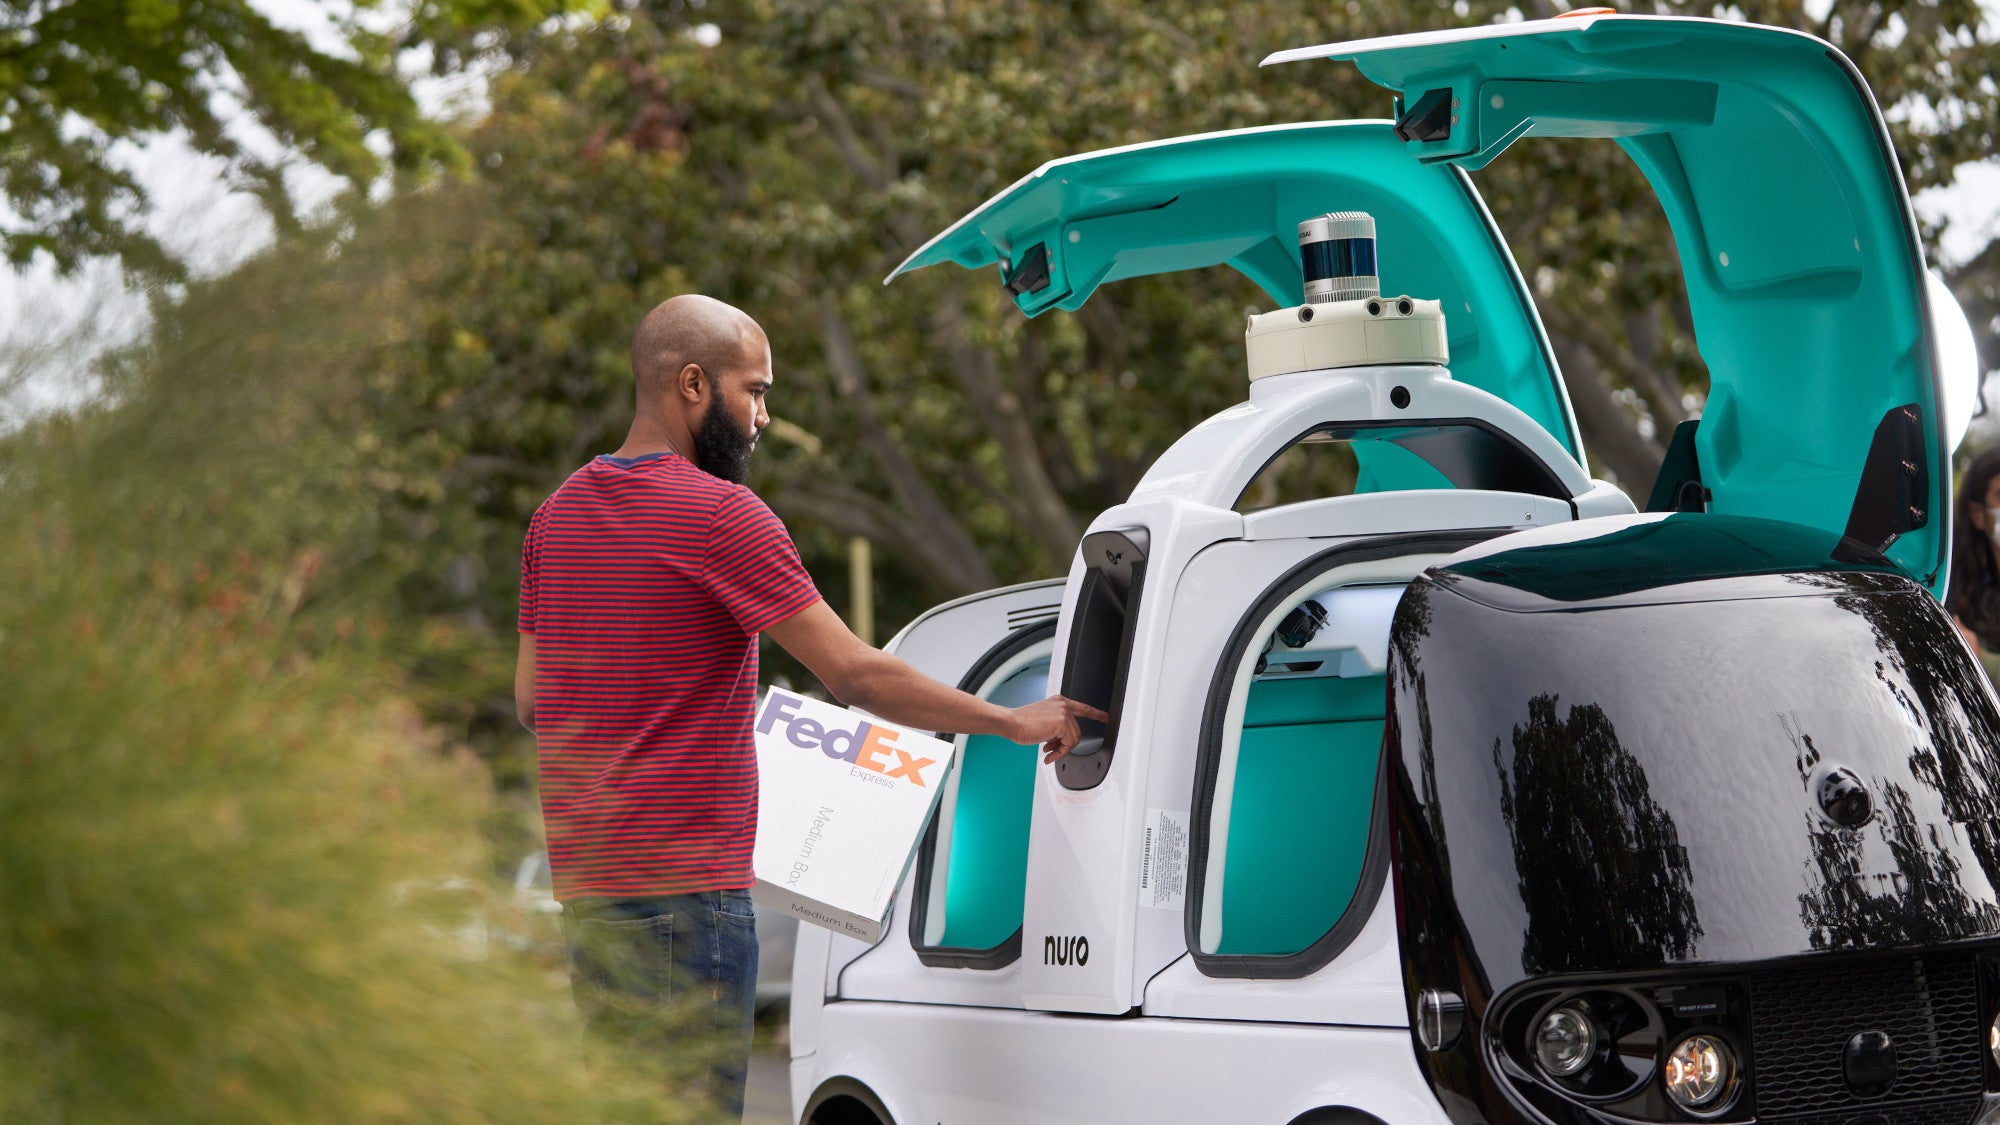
[(243, 880), (79, 76)]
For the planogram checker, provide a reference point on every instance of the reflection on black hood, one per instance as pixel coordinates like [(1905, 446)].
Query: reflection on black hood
[(1602, 873), (1627, 780)]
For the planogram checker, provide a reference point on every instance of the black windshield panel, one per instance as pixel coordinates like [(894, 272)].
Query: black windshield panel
[(1613, 789)]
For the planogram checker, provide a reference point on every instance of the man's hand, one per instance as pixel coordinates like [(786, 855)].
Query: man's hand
[(1052, 724)]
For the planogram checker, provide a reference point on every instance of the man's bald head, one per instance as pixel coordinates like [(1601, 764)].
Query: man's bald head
[(689, 329), (701, 370)]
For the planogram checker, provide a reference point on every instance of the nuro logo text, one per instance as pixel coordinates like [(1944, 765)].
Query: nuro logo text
[(1065, 950), (866, 746)]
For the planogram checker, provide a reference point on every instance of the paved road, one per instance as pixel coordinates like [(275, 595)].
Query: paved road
[(768, 1100)]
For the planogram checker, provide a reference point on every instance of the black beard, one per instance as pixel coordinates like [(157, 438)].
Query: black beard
[(722, 450)]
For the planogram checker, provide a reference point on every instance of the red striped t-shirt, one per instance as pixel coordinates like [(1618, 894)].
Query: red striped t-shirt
[(645, 582)]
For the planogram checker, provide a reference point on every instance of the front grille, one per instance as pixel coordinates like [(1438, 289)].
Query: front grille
[(1801, 1020), (1948, 1111)]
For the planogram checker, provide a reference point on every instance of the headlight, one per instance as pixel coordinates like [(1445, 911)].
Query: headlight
[(1699, 1071), (1566, 1040)]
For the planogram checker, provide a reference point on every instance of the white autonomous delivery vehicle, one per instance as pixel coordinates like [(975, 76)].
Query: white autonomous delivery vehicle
[(1475, 795)]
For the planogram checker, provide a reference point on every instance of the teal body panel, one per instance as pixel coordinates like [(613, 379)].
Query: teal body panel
[(1236, 199), (1804, 271), (1299, 813)]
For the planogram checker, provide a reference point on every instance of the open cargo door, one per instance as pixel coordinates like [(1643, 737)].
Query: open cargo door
[(1237, 198), (1804, 271)]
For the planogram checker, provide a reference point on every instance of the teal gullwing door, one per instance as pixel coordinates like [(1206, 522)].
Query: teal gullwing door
[(1804, 272), (1237, 198)]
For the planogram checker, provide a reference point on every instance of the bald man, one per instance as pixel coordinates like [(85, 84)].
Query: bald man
[(645, 582)]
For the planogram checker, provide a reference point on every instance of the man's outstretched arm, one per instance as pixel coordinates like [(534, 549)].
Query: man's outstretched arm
[(867, 677)]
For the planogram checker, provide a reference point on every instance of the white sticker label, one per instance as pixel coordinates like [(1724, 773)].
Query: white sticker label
[(1163, 859)]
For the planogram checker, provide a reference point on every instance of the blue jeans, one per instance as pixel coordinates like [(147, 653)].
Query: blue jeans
[(674, 977)]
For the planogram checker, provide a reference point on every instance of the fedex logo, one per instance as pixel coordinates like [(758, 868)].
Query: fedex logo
[(865, 746)]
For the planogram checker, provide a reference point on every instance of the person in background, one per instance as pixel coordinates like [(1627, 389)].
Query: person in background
[(1974, 595), (645, 582)]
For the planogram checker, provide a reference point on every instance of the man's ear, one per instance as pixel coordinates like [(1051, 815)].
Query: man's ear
[(692, 383)]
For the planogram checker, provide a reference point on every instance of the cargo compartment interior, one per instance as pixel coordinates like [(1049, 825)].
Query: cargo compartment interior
[(1292, 804), (1305, 778), (976, 854)]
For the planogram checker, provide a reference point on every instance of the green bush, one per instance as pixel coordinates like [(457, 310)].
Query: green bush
[(240, 879)]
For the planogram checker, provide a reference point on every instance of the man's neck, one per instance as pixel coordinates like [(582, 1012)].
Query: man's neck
[(648, 436)]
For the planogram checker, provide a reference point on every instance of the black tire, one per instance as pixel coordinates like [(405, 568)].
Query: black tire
[(1336, 1115)]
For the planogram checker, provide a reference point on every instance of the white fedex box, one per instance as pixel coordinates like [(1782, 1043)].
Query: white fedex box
[(843, 802)]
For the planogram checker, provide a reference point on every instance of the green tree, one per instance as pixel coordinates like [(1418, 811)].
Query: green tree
[(788, 168), (79, 76)]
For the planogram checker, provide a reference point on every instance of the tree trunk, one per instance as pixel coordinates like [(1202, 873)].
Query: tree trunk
[(1611, 434)]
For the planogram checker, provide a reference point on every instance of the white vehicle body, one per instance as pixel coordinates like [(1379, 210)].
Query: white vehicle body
[(946, 1043)]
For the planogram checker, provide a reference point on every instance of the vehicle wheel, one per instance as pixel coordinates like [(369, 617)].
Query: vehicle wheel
[(1343, 1115), (843, 1101)]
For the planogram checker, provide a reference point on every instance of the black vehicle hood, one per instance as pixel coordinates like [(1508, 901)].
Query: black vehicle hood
[(1625, 782)]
